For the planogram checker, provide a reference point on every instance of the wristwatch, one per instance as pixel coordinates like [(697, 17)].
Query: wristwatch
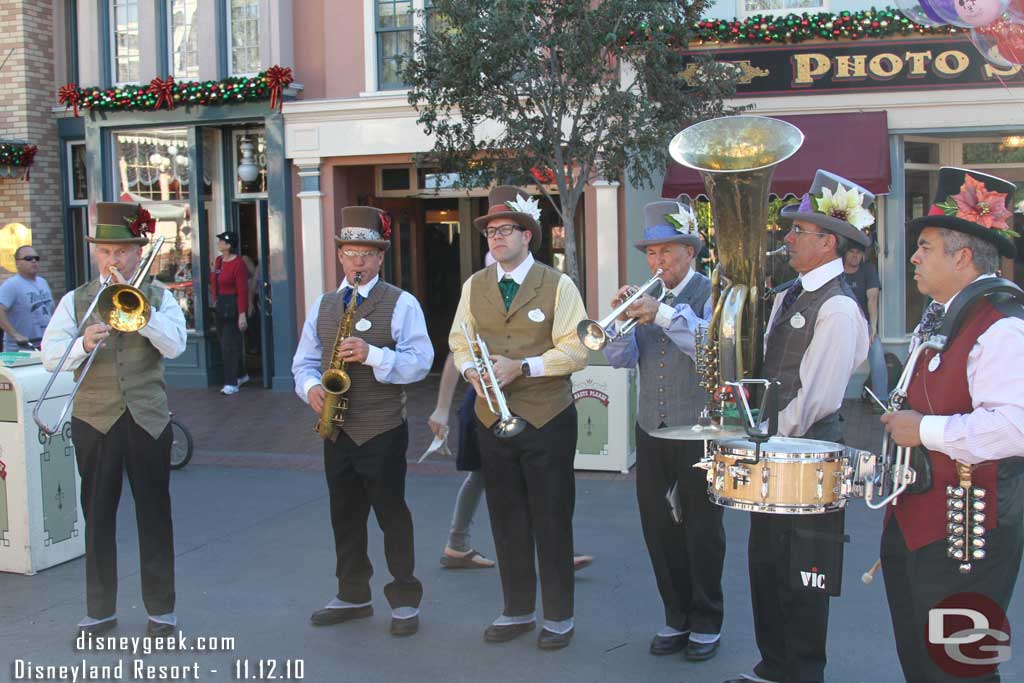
[(526, 368)]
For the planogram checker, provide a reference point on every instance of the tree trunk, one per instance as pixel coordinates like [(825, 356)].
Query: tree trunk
[(572, 268)]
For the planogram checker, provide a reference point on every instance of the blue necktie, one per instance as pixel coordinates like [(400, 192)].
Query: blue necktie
[(787, 302), (931, 320), (347, 297)]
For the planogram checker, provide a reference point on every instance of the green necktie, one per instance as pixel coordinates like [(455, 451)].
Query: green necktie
[(508, 288)]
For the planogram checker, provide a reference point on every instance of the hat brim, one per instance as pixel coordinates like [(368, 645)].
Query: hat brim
[(380, 244), (839, 227), (130, 240), (523, 219), (1003, 244), (694, 241)]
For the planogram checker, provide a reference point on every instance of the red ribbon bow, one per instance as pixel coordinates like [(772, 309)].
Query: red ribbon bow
[(385, 226), (143, 223), (278, 78), (164, 91), (69, 95)]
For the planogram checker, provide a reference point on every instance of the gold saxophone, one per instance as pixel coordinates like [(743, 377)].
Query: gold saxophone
[(335, 379)]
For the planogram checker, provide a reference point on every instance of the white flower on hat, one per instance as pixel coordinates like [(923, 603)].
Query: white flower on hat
[(683, 221), (527, 205), (846, 205)]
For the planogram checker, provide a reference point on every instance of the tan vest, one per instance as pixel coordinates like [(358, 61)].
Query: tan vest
[(514, 335), (128, 374), (373, 407)]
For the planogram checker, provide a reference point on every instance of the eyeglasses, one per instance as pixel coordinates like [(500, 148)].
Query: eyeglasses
[(29, 258), (503, 230), (352, 253), (800, 231)]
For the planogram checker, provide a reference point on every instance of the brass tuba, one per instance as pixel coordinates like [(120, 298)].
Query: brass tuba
[(736, 156)]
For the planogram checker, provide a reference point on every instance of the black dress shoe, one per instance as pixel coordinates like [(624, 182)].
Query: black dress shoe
[(698, 652), (83, 632), (155, 629), (405, 627), (336, 615), (503, 634), (668, 645), (549, 640)]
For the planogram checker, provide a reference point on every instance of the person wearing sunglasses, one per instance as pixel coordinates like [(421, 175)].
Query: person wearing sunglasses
[(26, 302)]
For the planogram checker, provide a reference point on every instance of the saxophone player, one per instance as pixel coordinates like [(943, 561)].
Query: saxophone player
[(364, 460)]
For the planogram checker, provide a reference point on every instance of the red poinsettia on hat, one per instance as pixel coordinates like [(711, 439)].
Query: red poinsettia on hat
[(143, 223), (979, 205)]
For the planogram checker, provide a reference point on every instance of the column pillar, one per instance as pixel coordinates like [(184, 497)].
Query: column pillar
[(606, 205), (311, 198)]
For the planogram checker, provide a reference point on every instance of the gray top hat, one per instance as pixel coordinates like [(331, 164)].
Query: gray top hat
[(669, 221), (837, 205)]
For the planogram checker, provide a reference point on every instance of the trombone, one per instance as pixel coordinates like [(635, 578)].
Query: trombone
[(594, 333), (508, 425), (122, 307)]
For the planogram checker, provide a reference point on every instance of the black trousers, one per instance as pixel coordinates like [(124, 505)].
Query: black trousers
[(531, 495), (687, 558), (360, 478), (102, 461), (916, 580), (230, 337)]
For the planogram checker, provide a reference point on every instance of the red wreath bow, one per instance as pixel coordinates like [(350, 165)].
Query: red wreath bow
[(164, 91), (142, 224), (385, 226), (278, 78), (69, 95)]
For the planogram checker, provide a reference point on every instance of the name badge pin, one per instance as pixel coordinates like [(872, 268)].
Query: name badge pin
[(363, 325), (935, 362), (797, 321), (536, 315)]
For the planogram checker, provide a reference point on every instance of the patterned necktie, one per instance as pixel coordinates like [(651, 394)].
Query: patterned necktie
[(787, 302), (508, 288), (669, 299), (931, 320), (347, 297)]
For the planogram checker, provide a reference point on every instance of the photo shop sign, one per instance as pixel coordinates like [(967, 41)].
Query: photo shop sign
[(911, 64)]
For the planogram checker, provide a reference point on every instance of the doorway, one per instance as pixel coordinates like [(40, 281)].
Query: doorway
[(251, 222), (442, 237)]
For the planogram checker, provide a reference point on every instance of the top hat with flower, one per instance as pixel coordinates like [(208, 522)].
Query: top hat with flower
[(837, 205), (974, 203), (508, 201), (364, 225), (669, 221), (122, 223)]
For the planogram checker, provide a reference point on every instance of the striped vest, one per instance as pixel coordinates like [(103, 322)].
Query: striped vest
[(128, 374), (373, 407)]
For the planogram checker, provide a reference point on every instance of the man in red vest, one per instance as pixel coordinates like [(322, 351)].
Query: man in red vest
[(966, 411)]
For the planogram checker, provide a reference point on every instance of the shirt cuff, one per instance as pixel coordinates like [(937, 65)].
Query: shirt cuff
[(374, 356), (306, 386), (664, 316), (933, 432), (465, 367), (536, 364)]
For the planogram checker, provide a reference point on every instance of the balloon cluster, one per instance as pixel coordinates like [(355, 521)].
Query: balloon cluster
[(996, 26)]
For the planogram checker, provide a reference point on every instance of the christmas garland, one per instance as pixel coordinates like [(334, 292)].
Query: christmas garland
[(167, 93), (18, 155)]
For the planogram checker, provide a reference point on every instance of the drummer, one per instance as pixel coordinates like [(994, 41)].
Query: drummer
[(816, 338), (687, 558)]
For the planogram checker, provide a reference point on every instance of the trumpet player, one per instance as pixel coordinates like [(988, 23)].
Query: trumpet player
[(816, 337), (120, 421), (526, 314), (965, 409), (365, 464), (687, 557)]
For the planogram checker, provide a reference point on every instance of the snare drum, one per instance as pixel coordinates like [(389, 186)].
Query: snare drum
[(792, 477)]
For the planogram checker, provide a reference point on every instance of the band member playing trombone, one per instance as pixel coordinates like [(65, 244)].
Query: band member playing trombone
[(687, 557), (816, 338), (120, 420), (526, 315), (965, 409), (366, 434)]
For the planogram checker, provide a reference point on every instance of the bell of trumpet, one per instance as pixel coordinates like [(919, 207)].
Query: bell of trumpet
[(594, 333)]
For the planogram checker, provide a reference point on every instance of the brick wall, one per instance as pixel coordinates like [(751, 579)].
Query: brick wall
[(27, 93)]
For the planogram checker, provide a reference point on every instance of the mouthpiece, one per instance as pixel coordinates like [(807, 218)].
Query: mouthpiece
[(781, 251)]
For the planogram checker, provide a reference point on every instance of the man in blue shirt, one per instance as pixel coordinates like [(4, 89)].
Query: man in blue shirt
[(26, 303)]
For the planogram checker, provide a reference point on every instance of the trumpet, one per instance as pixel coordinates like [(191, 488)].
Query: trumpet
[(508, 425), (594, 333), (122, 307)]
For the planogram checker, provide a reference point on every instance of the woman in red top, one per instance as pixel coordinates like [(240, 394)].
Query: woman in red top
[(229, 282)]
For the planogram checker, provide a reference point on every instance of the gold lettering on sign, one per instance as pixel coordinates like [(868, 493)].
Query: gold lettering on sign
[(993, 71), (885, 65), (960, 62), (918, 63), (850, 66), (809, 66)]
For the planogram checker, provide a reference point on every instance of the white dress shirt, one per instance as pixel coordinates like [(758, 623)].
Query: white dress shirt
[(839, 345), (408, 362), (995, 376), (165, 330)]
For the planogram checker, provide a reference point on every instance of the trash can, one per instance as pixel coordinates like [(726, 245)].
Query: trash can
[(41, 521), (606, 411)]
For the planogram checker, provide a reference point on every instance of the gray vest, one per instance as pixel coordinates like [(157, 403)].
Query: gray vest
[(373, 407), (785, 347), (670, 392)]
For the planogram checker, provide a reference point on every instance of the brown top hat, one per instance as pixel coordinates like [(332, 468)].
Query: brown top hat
[(122, 223), (508, 201), (364, 225)]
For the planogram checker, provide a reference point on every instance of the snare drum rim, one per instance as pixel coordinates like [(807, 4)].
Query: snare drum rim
[(744, 448), (778, 508)]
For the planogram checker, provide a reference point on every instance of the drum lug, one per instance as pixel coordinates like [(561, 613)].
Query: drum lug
[(739, 474), (765, 473), (820, 484)]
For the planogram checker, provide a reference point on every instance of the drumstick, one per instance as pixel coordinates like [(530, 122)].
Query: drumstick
[(869, 575)]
